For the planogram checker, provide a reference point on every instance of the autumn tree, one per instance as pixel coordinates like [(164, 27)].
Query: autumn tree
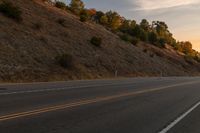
[(186, 47), (91, 13)]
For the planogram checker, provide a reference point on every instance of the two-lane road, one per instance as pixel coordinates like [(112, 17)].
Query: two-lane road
[(136, 105)]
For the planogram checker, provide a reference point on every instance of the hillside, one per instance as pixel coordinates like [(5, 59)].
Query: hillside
[(28, 49)]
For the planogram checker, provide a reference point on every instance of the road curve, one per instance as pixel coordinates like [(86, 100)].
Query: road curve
[(139, 105)]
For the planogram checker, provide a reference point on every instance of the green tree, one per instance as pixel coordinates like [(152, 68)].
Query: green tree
[(161, 42), (163, 33), (133, 24), (98, 16), (114, 20), (186, 47), (153, 37), (60, 5), (160, 27), (84, 15), (104, 20), (144, 36), (144, 24), (125, 26), (76, 6), (137, 31)]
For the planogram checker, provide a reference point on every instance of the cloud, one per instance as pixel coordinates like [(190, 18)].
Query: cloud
[(182, 16), (106, 5), (158, 4)]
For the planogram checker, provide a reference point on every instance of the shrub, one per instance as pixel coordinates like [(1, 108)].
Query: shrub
[(151, 55), (143, 36), (65, 60), (37, 26), (161, 43), (153, 37), (96, 41), (76, 6), (135, 41), (145, 50), (43, 39), (61, 22), (84, 15), (159, 54), (197, 58), (83, 18), (128, 38), (189, 59), (11, 11), (125, 38), (60, 5)]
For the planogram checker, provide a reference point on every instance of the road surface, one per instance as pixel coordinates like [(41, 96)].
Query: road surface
[(135, 105)]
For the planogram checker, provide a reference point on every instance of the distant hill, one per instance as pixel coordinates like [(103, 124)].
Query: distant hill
[(35, 46)]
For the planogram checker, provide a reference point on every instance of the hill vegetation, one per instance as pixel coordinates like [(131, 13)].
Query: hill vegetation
[(155, 33), (43, 40), (11, 11)]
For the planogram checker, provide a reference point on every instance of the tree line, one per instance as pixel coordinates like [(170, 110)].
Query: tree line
[(155, 33)]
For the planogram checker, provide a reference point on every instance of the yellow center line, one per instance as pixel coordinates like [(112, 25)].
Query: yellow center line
[(84, 102)]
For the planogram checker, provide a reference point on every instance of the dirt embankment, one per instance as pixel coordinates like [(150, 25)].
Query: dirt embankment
[(28, 49)]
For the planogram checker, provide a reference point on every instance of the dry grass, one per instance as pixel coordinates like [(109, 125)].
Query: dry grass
[(28, 54)]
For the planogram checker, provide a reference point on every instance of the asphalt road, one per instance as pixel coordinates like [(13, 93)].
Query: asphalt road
[(136, 105)]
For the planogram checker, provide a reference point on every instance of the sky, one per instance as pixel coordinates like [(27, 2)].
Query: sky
[(182, 16)]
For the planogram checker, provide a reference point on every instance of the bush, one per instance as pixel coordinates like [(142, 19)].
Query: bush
[(151, 55), (135, 41), (60, 5), (143, 36), (84, 16), (125, 38), (189, 59), (65, 60), (11, 11), (96, 41), (37, 26), (161, 43), (43, 39), (145, 50), (61, 22), (153, 38), (197, 58), (159, 54), (128, 38)]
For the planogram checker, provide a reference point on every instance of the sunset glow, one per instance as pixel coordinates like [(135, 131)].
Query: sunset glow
[(182, 16)]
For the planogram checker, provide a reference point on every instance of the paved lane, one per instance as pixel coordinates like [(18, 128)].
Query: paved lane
[(143, 105)]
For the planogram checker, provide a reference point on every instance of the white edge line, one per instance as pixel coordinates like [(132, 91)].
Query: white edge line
[(176, 121)]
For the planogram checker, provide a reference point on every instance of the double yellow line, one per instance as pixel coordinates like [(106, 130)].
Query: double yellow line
[(84, 102)]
